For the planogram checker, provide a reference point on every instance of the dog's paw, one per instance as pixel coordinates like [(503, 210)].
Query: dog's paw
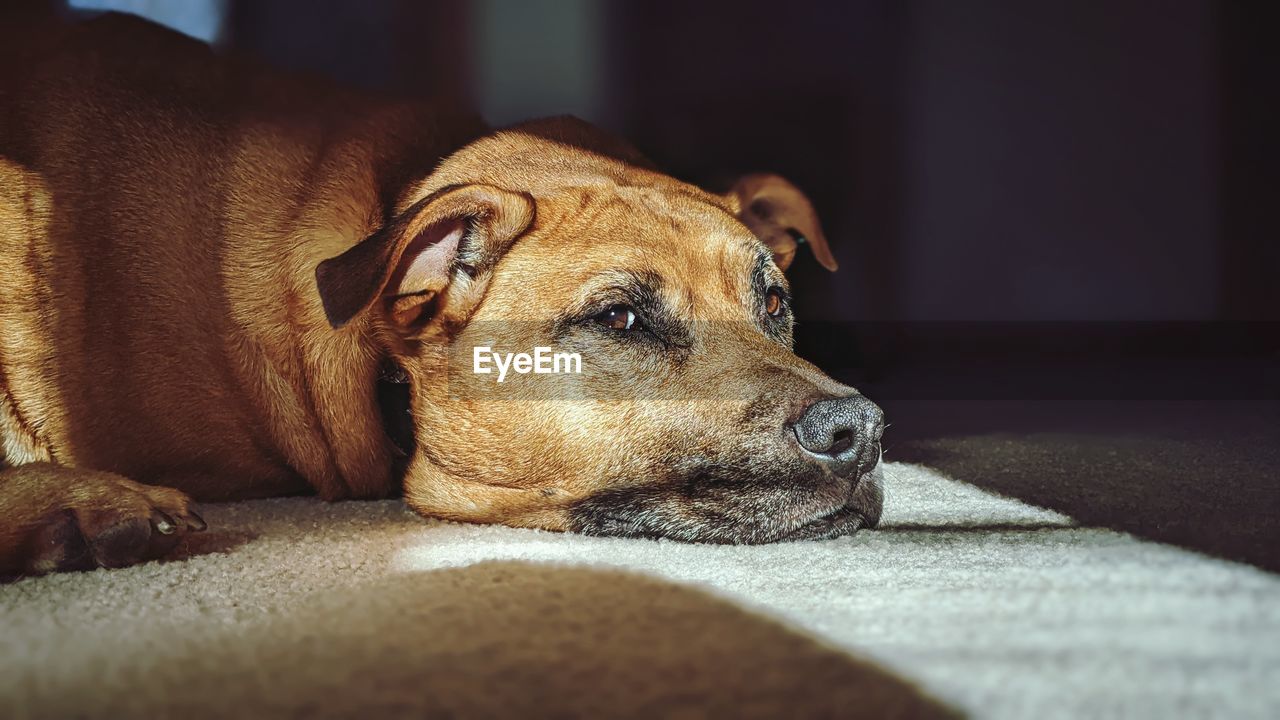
[(109, 521)]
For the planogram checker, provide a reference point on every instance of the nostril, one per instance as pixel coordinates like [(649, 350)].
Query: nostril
[(842, 440)]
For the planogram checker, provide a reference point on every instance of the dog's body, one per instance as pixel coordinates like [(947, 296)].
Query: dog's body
[(163, 213), (178, 212)]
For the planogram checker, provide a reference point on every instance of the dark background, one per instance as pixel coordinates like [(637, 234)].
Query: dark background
[(988, 160), (1003, 181), (1056, 219)]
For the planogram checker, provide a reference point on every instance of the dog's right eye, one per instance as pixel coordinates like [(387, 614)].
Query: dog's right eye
[(618, 317)]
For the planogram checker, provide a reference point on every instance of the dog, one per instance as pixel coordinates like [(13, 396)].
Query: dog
[(218, 282)]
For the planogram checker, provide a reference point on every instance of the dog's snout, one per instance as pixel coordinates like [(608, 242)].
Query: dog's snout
[(842, 433)]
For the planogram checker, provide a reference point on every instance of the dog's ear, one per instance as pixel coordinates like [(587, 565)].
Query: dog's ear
[(781, 216), (452, 237)]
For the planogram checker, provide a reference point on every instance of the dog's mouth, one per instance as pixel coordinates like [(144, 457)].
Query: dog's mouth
[(860, 511), (844, 520), (728, 513)]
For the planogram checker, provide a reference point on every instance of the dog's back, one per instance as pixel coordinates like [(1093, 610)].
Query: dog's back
[(162, 209), (109, 237)]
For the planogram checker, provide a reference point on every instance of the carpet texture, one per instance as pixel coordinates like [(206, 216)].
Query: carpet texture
[(964, 603)]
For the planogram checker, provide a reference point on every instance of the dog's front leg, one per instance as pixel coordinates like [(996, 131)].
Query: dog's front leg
[(55, 518)]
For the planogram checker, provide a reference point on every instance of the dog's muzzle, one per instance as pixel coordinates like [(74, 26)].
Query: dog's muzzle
[(817, 479)]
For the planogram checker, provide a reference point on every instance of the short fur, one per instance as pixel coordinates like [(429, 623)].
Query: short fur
[(204, 267)]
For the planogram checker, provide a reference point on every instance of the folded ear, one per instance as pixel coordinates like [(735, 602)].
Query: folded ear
[(781, 216), (420, 254)]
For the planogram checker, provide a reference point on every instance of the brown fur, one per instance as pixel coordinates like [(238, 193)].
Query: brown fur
[(203, 266)]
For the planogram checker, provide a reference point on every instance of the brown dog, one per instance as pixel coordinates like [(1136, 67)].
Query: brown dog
[(229, 284)]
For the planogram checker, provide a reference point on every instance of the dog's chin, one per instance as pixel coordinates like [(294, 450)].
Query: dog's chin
[(862, 510), (843, 521), (729, 512)]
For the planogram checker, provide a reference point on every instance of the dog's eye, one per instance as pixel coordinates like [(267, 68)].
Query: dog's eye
[(773, 304), (618, 317)]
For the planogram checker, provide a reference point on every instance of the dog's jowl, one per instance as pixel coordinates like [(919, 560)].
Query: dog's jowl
[(208, 270)]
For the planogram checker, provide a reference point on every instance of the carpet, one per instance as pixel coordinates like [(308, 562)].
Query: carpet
[(964, 603)]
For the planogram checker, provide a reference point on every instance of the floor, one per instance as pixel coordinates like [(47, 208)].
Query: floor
[(1056, 543), (965, 603)]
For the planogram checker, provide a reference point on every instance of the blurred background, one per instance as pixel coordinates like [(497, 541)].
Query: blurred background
[(1006, 183)]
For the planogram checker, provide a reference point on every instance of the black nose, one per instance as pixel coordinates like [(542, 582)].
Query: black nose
[(842, 433)]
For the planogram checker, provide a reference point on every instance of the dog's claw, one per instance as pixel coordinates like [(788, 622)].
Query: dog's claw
[(195, 522), (164, 524)]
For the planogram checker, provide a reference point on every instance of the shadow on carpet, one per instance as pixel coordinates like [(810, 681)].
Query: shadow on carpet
[(495, 639)]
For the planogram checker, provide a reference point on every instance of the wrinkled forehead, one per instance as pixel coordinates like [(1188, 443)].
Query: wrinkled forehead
[(690, 226), (599, 213), (691, 247)]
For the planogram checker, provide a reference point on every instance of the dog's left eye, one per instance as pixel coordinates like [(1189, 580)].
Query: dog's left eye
[(618, 317), (773, 302)]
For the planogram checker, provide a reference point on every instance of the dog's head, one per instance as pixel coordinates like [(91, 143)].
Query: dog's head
[(690, 417)]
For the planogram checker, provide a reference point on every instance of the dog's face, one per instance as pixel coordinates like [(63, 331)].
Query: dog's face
[(690, 417)]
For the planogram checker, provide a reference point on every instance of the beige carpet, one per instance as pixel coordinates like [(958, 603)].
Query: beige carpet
[(964, 603)]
